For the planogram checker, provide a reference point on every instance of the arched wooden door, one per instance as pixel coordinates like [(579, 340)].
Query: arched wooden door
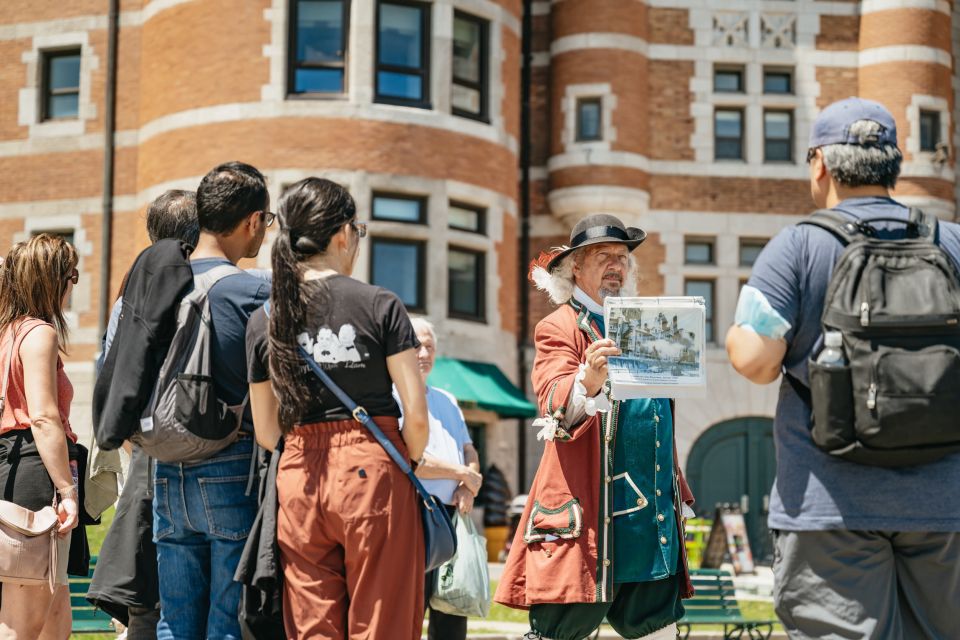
[(734, 462)]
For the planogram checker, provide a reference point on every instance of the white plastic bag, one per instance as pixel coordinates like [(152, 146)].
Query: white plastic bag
[(463, 582)]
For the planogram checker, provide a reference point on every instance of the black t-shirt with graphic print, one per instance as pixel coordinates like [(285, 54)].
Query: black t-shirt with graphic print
[(350, 338)]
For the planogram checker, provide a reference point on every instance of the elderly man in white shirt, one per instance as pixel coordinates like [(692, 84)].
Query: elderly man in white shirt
[(450, 469)]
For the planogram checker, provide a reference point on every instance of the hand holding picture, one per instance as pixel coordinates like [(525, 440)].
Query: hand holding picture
[(595, 358)]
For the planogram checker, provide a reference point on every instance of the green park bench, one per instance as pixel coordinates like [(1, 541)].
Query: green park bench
[(715, 603), (86, 617)]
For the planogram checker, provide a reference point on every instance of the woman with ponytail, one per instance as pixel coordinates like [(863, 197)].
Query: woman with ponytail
[(348, 525)]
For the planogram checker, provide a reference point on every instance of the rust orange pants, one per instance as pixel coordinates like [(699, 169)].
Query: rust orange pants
[(350, 536)]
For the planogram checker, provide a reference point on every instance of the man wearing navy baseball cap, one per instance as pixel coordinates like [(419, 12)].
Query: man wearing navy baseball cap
[(862, 551)]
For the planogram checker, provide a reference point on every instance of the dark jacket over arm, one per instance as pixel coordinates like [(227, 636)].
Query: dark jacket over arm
[(160, 277)]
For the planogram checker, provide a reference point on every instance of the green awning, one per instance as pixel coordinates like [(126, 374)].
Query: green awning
[(481, 385)]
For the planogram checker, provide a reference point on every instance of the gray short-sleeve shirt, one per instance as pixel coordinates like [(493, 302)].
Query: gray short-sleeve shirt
[(814, 491)]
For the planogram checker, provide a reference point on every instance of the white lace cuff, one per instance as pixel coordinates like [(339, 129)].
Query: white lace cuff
[(579, 399)]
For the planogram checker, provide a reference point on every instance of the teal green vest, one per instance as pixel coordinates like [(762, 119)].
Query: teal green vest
[(645, 539)]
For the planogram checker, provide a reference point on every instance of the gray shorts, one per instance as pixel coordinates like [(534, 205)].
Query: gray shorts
[(867, 584)]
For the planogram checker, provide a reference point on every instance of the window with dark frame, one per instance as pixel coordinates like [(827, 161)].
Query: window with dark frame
[(727, 80), (465, 217), (728, 134), (403, 53), (400, 266), (470, 54), (929, 130), (399, 208), (61, 84), (778, 136), (704, 289), (750, 249), (777, 81), (478, 435), (465, 283), (698, 251), (318, 38), (589, 119)]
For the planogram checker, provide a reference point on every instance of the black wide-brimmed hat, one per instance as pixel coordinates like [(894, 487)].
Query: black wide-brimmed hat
[(597, 229)]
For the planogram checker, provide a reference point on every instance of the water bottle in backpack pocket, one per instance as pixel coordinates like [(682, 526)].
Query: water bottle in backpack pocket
[(886, 387)]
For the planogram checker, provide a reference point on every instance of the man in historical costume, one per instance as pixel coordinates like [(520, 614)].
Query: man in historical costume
[(601, 535)]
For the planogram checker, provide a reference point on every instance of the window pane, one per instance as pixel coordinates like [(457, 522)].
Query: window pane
[(749, 252), (467, 49), (699, 253), (64, 106), (465, 218), (728, 124), (399, 85), (929, 130), (402, 209), (777, 150), (320, 31), (395, 267), (588, 119), (318, 81), (704, 289), (728, 81), (465, 99), (777, 82), (400, 35), (729, 150), (464, 288), (65, 72), (776, 125)]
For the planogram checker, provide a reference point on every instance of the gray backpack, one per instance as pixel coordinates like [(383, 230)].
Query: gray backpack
[(185, 421), (897, 305)]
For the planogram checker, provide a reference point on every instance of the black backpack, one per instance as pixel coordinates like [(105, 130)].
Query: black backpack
[(897, 305)]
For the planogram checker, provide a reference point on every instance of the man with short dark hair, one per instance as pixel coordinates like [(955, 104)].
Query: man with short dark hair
[(861, 551), (203, 511)]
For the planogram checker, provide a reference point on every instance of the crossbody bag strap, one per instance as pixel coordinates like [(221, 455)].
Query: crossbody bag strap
[(6, 374), (360, 415)]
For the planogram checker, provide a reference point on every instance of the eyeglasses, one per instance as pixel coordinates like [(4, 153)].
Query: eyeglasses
[(360, 228), (268, 217), (811, 154), (74, 276)]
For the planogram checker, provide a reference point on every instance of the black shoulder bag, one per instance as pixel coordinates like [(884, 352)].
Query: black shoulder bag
[(439, 536)]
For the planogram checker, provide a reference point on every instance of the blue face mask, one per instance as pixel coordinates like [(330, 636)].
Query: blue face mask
[(754, 311)]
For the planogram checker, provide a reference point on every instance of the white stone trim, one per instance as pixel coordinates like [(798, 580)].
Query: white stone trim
[(45, 145), (811, 7), (598, 40), (540, 8), (905, 53), (568, 106), (801, 58), (153, 7), (29, 113), (24, 30), (875, 6), (570, 204), (721, 169), (543, 226)]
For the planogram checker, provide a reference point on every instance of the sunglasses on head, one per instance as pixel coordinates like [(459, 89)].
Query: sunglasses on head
[(360, 228)]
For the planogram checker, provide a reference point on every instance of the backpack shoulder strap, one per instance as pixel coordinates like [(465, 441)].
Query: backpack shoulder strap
[(836, 223), (205, 281), (925, 224)]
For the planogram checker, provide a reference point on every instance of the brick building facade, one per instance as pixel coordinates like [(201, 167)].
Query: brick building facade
[(679, 116)]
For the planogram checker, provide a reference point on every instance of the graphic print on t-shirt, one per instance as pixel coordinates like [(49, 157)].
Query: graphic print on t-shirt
[(335, 348)]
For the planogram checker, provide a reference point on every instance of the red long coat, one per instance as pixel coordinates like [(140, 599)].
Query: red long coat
[(567, 501)]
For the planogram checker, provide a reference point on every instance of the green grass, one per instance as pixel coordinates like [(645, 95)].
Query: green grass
[(95, 535)]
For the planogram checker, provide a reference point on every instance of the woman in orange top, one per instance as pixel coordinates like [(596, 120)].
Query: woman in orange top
[(35, 282)]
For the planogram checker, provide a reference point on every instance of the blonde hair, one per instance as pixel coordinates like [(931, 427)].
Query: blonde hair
[(33, 279)]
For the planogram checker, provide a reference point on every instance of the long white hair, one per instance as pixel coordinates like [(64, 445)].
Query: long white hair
[(559, 283)]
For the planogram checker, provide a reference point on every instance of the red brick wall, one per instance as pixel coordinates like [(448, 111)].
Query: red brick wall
[(670, 26), (671, 125)]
